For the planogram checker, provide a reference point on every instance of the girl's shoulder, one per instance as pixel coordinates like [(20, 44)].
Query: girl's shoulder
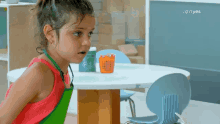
[(25, 88)]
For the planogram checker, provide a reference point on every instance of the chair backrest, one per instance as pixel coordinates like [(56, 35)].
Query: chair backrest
[(174, 84), (170, 106), (120, 57)]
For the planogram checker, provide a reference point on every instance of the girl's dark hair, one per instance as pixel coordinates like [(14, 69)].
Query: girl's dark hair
[(57, 13)]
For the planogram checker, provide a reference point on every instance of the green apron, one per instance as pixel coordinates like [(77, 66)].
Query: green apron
[(58, 115)]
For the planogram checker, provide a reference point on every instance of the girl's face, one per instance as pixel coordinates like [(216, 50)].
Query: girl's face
[(75, 38)]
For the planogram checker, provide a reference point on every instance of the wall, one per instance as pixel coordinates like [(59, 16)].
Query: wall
[(188, 41), (3, 79)]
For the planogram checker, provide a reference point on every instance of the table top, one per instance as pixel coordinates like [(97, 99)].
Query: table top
[(125, 76)]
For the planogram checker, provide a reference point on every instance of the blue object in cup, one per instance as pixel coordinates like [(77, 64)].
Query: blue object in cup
[(89, 62)]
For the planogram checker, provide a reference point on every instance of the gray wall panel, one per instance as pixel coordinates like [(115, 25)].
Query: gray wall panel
[(188, 40)]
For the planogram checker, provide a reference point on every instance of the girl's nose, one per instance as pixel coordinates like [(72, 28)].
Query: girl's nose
[(86, 41)]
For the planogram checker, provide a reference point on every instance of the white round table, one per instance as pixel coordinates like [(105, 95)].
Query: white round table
[(125, 76), (99, 94)]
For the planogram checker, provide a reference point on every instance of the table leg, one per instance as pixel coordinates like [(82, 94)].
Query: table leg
[(98, 107)]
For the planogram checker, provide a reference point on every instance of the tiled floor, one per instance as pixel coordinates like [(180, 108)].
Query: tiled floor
[(71, 119)]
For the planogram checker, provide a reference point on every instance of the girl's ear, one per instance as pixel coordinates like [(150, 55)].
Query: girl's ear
[(49, 33)]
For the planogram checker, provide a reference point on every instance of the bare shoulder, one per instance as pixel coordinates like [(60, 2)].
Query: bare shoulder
[(43, 74), (37, 70), (47, 77), (25, 88)]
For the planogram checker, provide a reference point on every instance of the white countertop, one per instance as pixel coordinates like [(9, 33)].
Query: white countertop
[(125, 76), (4, 4)]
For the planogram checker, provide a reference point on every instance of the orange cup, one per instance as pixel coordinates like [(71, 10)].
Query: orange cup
[(107, 63)]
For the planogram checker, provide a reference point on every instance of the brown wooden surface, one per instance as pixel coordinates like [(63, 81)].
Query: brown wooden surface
[(22, 44), (98, 107)]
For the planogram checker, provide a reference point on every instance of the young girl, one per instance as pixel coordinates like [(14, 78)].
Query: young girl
[(66, 27)]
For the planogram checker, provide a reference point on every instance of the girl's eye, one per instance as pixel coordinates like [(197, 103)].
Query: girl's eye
[(91, 33), (79, 33)]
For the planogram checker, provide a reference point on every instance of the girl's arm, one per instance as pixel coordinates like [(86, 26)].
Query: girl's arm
[(2, 103), (23, 91)]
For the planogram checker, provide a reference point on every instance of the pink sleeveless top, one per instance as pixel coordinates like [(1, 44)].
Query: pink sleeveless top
[(33, 113)]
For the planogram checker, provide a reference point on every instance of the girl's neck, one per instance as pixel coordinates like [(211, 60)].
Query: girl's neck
[(62, 63)]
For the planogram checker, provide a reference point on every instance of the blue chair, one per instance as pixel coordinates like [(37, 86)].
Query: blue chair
[(167, 96), (120, 58)]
